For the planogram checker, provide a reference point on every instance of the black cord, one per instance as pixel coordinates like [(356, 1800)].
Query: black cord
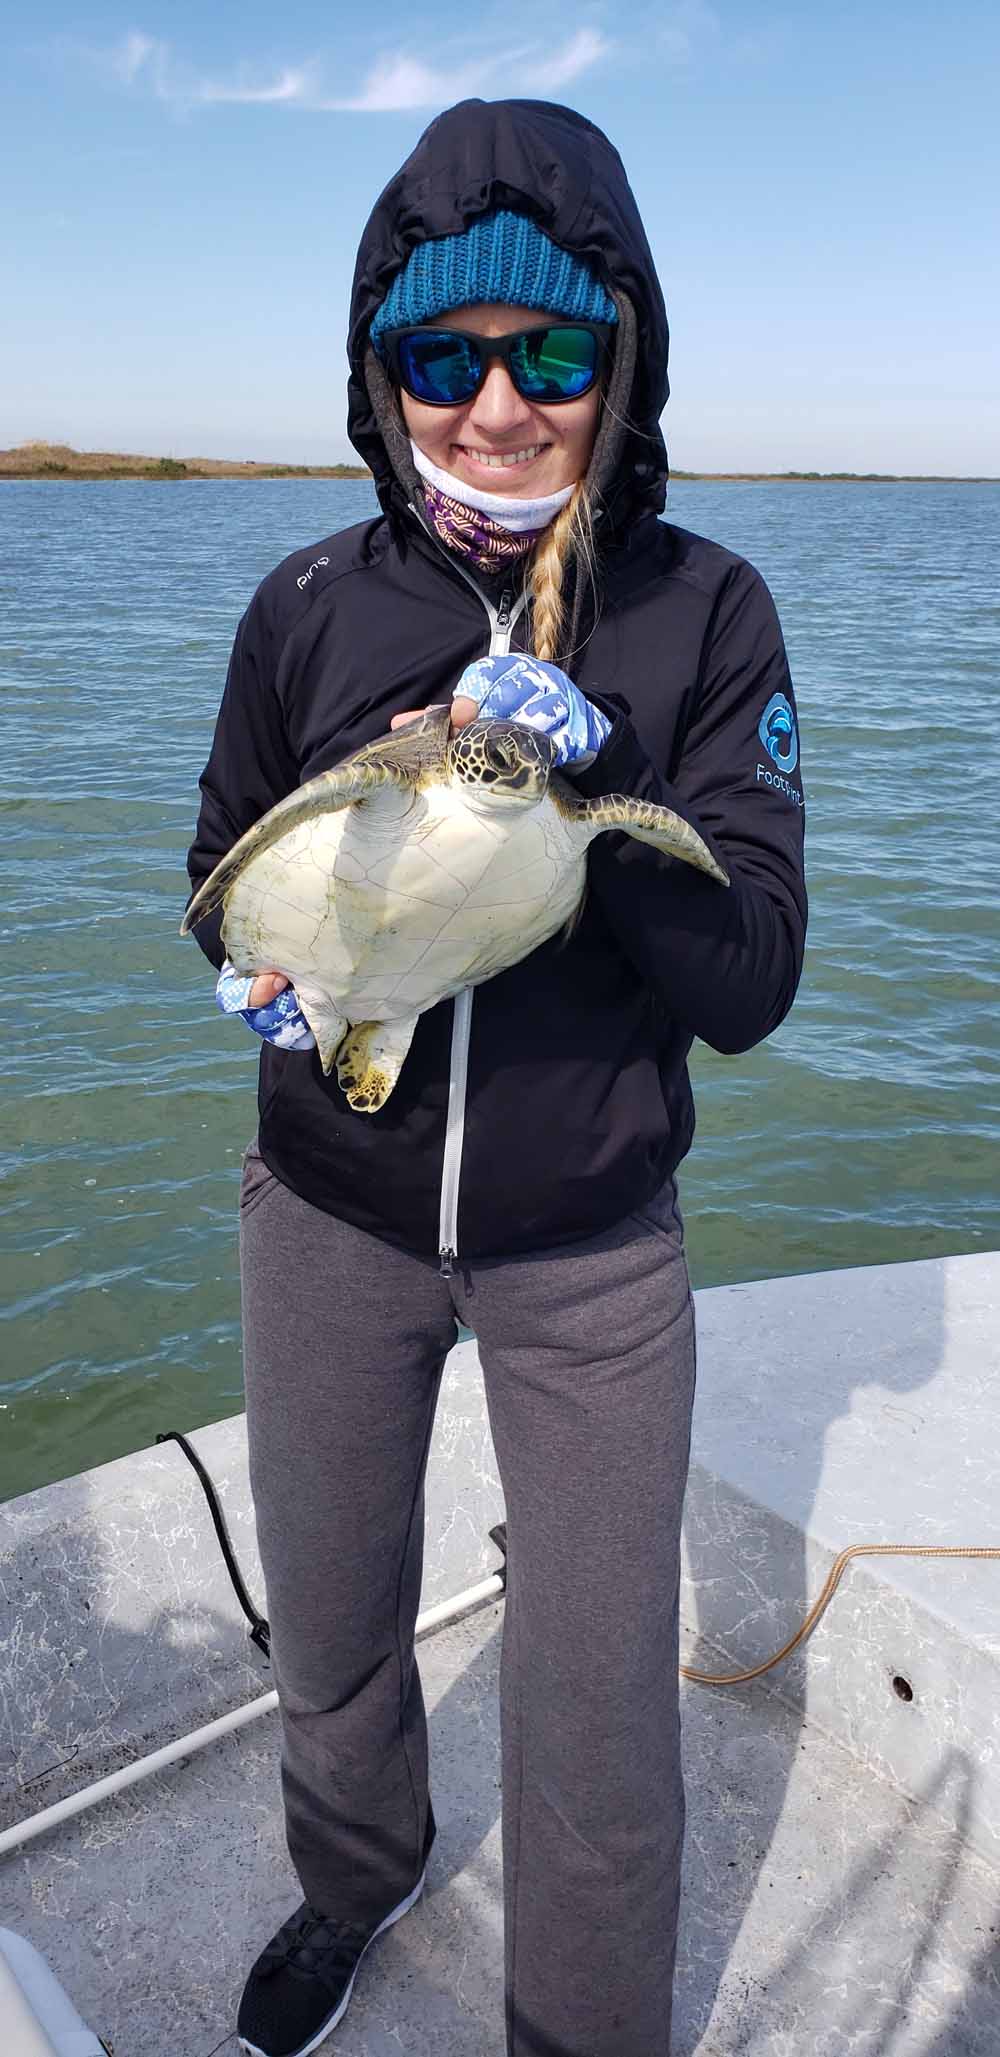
[(260, 1632)]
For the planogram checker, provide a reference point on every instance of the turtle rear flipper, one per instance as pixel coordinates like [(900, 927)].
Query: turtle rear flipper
[(402, 758), (370, 1060), (659, 826)]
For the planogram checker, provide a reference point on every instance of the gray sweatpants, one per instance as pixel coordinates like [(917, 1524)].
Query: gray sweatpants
[(588, 1359)]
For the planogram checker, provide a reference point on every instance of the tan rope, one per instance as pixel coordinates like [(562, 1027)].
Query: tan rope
[(739, 1678)]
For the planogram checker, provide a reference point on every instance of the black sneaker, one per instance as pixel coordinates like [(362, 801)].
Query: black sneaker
[(300, 1986)]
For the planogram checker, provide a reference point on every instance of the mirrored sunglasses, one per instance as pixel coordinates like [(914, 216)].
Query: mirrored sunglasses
[(446, 367)]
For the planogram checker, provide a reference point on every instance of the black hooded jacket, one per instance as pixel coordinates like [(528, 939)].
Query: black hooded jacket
[(578, 1104)]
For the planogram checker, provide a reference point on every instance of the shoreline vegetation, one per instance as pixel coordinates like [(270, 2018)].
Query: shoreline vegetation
[(37, 460), (59, 461)]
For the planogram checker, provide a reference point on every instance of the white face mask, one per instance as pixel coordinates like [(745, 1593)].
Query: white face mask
[(517, 516)]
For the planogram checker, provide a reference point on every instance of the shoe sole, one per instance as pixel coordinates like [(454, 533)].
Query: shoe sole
[(254, 2049)]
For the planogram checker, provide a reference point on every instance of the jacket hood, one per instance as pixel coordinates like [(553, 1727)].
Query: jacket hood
[(552, 164)]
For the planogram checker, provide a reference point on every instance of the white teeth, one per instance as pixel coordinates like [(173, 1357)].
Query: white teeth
[(503, 462)]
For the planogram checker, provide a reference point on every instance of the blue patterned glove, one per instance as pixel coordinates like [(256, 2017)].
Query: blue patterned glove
[(521, 688), (281, 1021)]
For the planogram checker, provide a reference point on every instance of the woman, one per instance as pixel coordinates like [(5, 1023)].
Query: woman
[(520, 486)]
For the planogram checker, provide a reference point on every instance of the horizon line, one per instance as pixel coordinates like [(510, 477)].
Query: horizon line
[(195, 467)]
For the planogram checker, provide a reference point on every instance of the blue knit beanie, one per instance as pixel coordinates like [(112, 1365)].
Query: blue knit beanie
[(502, 257)]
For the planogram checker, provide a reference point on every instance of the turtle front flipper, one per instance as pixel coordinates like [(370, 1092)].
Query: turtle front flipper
[(370, 1060), (402, 758), (659, 826)]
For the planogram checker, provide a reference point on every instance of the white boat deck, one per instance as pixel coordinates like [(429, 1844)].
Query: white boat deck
[(841, 1893)]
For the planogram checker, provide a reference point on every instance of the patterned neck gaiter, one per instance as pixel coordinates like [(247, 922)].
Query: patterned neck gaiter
[(473, 534)]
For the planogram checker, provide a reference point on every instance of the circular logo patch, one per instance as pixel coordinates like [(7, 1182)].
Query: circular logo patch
[(778, 732)]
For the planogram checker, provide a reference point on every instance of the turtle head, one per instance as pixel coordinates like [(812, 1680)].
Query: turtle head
[(502, 762)]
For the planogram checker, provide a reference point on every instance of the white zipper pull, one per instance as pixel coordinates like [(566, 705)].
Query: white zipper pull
[(502, 620)]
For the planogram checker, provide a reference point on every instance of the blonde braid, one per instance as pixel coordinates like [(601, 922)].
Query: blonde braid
[(570, 535)]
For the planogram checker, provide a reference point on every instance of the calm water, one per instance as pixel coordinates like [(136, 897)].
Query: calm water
[(865, 1131)]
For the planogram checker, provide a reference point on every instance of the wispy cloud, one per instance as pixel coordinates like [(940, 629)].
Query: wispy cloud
[(292, 87), (397, 82), (587, 47), (134, 53)]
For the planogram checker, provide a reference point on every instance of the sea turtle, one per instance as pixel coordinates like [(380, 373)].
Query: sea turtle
[(424, 863)]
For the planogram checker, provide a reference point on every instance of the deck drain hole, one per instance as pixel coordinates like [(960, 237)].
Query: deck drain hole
[(902, 1688)]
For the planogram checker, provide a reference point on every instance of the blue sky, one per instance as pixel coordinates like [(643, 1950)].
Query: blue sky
[(819, 186)]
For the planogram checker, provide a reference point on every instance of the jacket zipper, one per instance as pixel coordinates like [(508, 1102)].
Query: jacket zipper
[(454, 1134), (503, 620), (502, 623)]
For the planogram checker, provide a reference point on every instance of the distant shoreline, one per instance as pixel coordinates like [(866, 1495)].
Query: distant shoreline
[(57, 461)]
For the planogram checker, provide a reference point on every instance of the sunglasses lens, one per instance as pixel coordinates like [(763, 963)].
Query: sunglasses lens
[(438, 367), (554, 364)]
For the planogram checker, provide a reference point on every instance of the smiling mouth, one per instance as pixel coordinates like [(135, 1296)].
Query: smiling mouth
[(506, 460)]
